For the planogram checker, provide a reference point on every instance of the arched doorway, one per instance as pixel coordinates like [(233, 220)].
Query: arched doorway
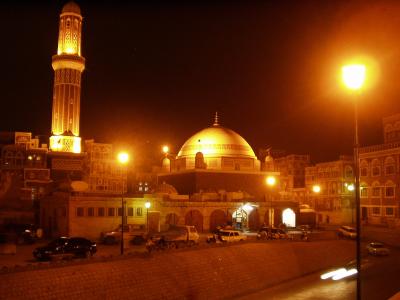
[(289, 217), (217, 218), (194, 218), (172, 219), (254, 220), (239, 219)]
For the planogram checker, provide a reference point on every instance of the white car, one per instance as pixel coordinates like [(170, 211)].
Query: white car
[(231, 236), (377, 249), (347, 231)]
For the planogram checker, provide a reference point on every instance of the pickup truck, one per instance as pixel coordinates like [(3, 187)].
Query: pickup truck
[(175, 237), (133, 232)]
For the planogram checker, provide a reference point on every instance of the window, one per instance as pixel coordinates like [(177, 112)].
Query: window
[(364, 172), (100, 211), (139, 211), (376, 210), (90, 211), (376, 192), (376, 168), (111, 211), (119, 211), (363, 191), (79, 211), (390, 166), (348, 172), (130, 211), (389, 191), (389, 211)]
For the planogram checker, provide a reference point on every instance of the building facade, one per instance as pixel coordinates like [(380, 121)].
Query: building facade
[(379, 177), (334, 202)]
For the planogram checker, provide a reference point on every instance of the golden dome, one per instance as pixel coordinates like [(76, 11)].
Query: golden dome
[(217, 141), (71, 7)]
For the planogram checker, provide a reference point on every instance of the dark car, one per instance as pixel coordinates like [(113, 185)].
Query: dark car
[(65, 247)]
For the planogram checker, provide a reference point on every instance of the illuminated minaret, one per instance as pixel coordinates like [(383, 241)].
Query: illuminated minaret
[(68, 66)]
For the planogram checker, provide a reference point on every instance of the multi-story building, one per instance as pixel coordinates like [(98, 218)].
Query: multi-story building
[(104, 174), (334, 203), (379, 177)]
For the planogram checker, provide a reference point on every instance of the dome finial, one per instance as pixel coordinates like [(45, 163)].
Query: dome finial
[(216, 119)]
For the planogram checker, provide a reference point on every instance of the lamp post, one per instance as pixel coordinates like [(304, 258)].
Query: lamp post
[(350, 188), (354, 77), (316, 190), (270, 182), (123, 159), (147, 205)]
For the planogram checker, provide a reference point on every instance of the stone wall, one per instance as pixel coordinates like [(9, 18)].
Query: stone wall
[(210, 273)]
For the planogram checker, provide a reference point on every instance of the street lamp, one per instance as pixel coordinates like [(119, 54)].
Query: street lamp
[(354, 77), (350, 188), (316, 190), (147, 205), (270, 182), (123, 159), (165, 149)]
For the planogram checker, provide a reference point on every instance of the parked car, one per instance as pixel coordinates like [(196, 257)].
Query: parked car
[(347, 231), (65, 247), (377, 249), (114, 236), (231, 236)]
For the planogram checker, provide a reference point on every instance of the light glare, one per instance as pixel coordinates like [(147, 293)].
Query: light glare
[(271, 180), (354, 76), (123, 157), (316, 188)]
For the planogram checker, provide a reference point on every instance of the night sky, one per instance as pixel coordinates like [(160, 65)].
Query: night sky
[(156, 71)]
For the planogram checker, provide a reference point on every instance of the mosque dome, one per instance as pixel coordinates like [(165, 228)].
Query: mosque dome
[(216, 141), (71, 7)]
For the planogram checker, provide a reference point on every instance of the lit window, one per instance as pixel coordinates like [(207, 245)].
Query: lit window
[(364, 191)]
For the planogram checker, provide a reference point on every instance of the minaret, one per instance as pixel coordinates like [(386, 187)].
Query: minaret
[(68, 66)]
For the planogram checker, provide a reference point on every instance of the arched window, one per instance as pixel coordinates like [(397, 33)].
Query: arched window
[(389, 189), (376, 167), (390, 166), (363, 190), (364, 168), (376, 189), (348, 172)]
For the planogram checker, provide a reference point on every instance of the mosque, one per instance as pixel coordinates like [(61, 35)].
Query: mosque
[(214, 180)]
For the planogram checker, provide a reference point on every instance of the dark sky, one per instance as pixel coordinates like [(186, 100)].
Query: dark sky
[(156, 71)]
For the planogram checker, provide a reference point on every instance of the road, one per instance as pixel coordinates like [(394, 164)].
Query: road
[(380, 281)]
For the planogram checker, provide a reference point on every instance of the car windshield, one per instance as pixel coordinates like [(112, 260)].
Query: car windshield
[(224, 233), (57, 242)]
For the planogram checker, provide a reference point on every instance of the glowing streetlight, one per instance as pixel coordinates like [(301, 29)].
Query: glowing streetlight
[(270, 182), (147, 205), (353, 77), (165, 149), (122, 158), (316, 188)]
